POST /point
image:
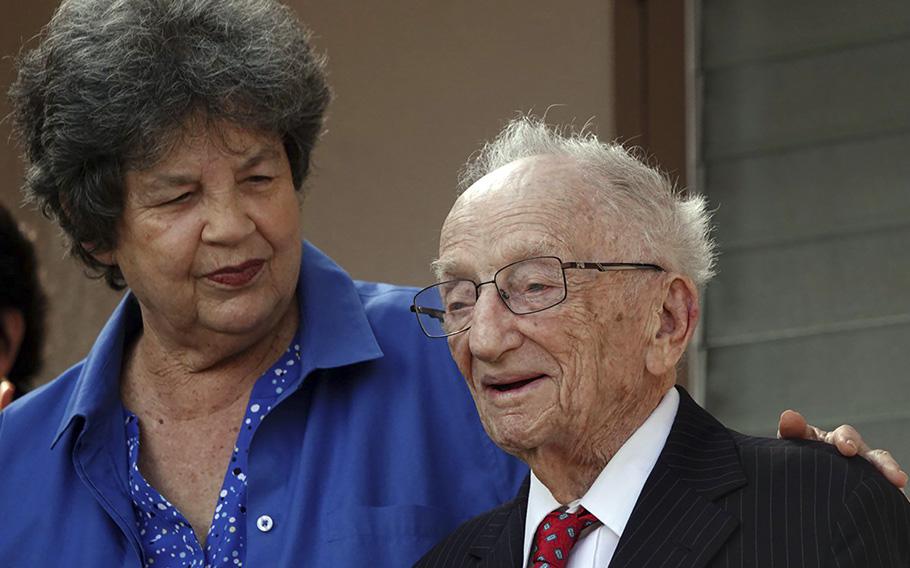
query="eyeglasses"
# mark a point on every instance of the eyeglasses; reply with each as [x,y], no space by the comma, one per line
[525,287]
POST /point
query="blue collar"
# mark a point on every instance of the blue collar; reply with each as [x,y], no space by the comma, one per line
[334,332]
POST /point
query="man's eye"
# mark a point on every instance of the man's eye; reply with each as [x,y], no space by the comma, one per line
[259,179]
[455,306]
[535,287]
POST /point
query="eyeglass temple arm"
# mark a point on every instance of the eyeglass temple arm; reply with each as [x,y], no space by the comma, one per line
[432,312]
[606,266]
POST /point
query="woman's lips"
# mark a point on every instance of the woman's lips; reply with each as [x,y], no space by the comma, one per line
[236,276]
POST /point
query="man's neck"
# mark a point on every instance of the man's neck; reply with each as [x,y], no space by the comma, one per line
[569,469]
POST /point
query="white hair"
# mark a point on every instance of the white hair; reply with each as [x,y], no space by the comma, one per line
[674,225]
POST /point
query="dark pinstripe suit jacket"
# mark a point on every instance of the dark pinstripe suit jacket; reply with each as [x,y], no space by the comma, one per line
[721,499]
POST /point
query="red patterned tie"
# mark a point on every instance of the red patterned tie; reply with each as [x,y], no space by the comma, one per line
[556,535]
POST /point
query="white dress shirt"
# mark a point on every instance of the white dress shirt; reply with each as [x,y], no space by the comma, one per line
[614,493]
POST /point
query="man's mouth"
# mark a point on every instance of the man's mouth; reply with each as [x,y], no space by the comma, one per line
[514,385]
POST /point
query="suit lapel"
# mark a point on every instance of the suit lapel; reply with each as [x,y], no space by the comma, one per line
[675,522]
[500,543]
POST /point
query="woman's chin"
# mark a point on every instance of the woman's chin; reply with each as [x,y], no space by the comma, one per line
[240,318]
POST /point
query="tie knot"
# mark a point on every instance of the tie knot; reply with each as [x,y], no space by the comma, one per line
[556,535]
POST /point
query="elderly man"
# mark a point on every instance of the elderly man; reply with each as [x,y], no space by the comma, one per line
[568,290]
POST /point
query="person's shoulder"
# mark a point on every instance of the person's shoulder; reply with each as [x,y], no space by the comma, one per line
[381,296]
[818,466]
[453,551]
[387,307]
[854,509]
[404,345]
[796,456]
[35,418]
[783,451]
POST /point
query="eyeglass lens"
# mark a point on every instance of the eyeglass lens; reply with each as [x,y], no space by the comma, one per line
[526,286]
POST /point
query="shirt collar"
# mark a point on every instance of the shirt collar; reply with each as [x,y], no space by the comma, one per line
[334,332]
[614,493]
[97,387]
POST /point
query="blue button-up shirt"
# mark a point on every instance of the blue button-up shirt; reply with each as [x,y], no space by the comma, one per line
[367,458]
[166,537]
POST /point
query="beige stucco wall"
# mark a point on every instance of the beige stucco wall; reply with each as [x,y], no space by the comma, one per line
[418,86]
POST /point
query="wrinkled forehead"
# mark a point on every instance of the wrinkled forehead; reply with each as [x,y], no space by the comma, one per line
[532,207]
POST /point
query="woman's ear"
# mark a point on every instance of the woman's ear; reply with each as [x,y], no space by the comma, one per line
[108,258]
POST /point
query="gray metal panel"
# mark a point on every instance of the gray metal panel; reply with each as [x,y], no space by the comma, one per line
[805,133]
[804,289]
[736,31]
[858,377]
[813,193]
[831,97]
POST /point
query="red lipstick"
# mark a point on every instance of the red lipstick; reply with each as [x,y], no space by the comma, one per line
[236,276]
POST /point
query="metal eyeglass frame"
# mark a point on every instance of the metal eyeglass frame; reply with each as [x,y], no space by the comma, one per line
[564,265]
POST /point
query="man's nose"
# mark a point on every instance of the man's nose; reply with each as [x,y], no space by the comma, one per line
[493,331]
[227,220]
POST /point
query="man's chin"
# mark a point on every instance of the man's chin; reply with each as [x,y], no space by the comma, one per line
[517,434]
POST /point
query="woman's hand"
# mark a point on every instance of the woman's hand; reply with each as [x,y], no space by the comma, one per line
[848,442]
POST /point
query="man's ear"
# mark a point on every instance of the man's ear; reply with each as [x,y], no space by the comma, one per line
[678,315]
[13,323]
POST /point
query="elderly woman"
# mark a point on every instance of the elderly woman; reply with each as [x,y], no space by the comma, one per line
[247,403]
[241,406]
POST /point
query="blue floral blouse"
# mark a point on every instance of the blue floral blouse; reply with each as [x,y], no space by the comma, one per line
[167,538]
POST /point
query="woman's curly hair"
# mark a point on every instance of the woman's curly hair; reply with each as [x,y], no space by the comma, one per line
[112,82]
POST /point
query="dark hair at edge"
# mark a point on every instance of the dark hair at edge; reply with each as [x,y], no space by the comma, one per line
[21,290]
[112,84]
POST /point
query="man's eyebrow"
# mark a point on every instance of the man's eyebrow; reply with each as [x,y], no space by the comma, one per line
[520,250]
[442,267]
[445,268]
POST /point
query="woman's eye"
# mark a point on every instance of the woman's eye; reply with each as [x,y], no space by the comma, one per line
[179,199]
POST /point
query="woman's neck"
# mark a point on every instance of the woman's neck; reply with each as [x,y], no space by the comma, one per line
[168,380]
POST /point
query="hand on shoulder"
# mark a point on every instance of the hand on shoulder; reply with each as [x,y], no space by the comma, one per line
[848,442]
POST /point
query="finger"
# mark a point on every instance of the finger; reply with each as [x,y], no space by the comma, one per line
[848,441]
[793,425]
[885,462]
[6,393]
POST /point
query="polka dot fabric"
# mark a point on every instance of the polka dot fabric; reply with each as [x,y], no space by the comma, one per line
[166,536]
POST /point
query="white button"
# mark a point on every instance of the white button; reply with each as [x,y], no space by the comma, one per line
[264,523]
